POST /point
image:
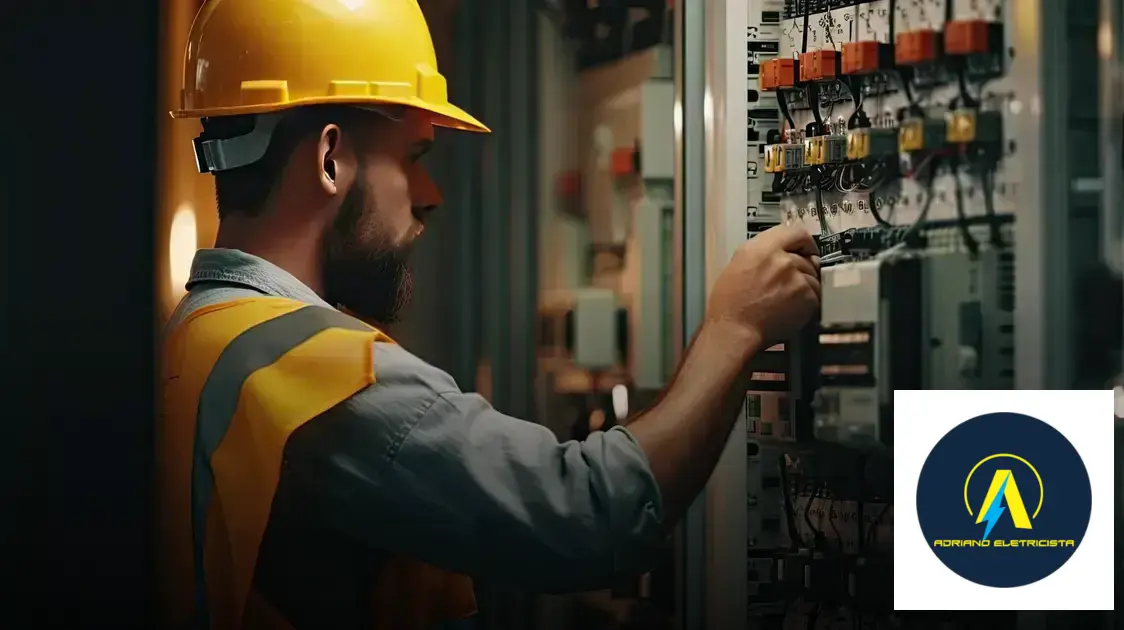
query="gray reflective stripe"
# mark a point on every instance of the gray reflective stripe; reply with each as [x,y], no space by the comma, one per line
[252,350]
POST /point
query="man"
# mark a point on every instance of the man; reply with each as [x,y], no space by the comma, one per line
[313,474]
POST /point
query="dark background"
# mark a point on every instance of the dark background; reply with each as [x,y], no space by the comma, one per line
[77,191]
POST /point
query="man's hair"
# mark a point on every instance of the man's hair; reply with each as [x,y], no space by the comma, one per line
[246,189]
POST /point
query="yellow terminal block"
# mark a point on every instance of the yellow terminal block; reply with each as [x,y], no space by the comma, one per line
[961,126]
[970,126]
[772,158]
[917,134]
[858,144]
[814,151]
[912,135]
[871,142]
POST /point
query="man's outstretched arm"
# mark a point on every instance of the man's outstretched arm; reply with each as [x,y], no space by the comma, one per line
[414,466]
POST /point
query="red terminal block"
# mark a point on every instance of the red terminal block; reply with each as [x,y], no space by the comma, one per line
[765,76]
[820,65]
[867,57]
[779,73]
[624,162]
[917,47]
[972,37]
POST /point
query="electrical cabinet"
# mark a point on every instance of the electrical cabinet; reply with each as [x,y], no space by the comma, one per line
[924,143]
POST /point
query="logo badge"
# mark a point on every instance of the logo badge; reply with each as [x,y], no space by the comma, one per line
[1003,500]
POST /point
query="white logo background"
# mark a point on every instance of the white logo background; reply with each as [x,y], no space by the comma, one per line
[1085,582]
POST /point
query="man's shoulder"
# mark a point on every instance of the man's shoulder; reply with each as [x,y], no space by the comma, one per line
[205,295]
[399,374]
[395,365]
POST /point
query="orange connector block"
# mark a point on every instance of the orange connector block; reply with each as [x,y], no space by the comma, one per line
[916,47]
[866,57]
[778,73]
[765,80]
[971,37]
[819,65]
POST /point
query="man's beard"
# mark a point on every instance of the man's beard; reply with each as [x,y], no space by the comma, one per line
[364,276]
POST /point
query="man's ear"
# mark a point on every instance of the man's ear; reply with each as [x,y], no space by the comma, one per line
[336,161]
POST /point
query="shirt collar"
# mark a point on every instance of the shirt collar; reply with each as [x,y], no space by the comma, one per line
[232,266]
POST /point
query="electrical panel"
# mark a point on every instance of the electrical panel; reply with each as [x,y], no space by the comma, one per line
[884,128]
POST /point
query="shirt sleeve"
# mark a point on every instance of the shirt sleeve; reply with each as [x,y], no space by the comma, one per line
[413,465]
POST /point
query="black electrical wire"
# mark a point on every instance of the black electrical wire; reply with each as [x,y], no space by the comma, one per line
[872,533]
[782,104]
[988,190]
[905,76]
[834,528]
[817,535]
[813,92]
[874,212]
[893,16]
[814,616]
[966,99]
[789,506]
[962,219]
[858,117]
[916,226]
[807,14]
[821,211]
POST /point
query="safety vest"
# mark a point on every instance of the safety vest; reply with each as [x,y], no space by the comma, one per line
[239,377]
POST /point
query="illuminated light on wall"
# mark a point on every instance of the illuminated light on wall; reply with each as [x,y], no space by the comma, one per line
[1104,40]
[183,240]
[677,118]
[620,402]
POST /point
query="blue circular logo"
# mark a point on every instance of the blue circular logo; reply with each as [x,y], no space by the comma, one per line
[1004,500]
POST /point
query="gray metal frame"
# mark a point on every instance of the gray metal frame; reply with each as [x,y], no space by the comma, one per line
[690,259]
[1043,337]
[508,208]
[1112,133]
[497,51]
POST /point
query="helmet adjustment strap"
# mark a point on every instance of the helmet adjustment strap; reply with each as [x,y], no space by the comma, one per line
[223,154]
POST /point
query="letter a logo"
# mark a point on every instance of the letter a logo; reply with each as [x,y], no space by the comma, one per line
[1003,487]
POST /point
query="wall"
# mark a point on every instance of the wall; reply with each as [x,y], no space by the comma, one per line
[179,185]
[584,117]
[429,328]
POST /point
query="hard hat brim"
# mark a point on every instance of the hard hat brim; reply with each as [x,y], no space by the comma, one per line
[442,114]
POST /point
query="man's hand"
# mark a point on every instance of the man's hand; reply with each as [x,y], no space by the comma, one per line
[768,292]
[770,288]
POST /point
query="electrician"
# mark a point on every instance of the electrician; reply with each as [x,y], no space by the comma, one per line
[314,474]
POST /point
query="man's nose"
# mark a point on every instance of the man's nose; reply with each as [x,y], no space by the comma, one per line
[423,192]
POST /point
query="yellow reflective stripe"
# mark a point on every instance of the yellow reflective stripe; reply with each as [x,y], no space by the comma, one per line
[283,373]
[189,353]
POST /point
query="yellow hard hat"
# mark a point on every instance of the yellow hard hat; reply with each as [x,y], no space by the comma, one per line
[264,56]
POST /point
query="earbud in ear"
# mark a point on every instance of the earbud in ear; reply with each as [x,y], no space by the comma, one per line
[330,169]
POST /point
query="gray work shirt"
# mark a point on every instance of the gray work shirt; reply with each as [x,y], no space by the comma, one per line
[413,465]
